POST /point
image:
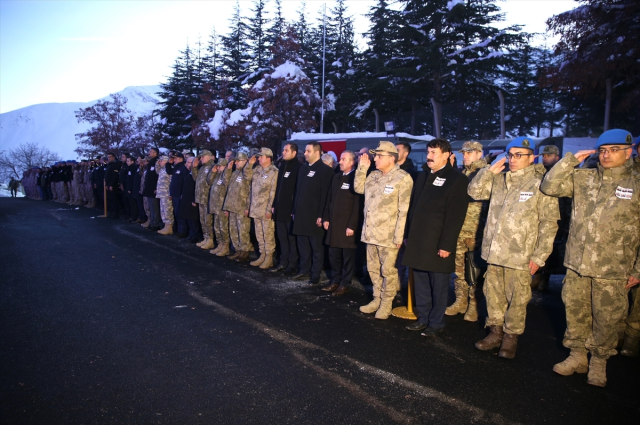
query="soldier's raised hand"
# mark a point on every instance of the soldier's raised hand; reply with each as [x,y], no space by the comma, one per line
[230,165]
[498,166]
[253,160]
[582,155]
[365,160]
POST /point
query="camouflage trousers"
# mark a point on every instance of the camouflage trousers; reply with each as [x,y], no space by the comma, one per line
[145,203]
[64,191]
[466,242]
[381,264]
[507,292]
[239,227]
[265,234]
[221,228]
[166,210]
[633,319]
[206,221]
[54,191]
[594,307]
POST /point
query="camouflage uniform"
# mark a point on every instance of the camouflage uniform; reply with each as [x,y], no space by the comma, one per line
[601,252]
[470,237]
[521,225]
[217,193]
[387,198]
[201,177]
[259,202]
[162,192]
[236,202]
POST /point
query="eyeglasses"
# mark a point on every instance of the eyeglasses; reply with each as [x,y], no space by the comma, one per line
[518,155]
[602,151]
[380,155]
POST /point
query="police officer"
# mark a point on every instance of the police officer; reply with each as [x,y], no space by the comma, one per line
[234,206]
[470,236]
[200,175]
[387,193]
[259,203]
[521,225]
[602,256]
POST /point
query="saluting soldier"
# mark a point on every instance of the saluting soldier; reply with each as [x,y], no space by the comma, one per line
[217,194]
[518,238]
[162,193]
[201,177]
[234,206]
[602,257]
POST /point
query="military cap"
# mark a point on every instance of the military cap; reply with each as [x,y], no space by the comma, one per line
[241,156]
[222,162]
[384,147]
[550,150]
[521,142]
[471,146]
[614,137]
[163,158]
[177,155]
[254,152]
[265,152]
[637,142]
[206,152]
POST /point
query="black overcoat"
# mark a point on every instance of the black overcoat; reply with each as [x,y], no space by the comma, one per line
[178,173]
[150,179]
[311,195]
[438,208]
[187,197]
[286,189]
[343,210]
[129,181]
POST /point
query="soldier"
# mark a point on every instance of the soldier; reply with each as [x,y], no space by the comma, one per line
[201,177]
[259,202]
[13,186]
[341,219]
[216,200]
[234,206]
[470,236]
[602,255]
[162,193]
[314,179]
[521,225]
[387,192]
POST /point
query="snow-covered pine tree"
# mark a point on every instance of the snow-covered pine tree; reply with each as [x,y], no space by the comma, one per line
[278,24]
[212,61]
[257,39]
[235,58]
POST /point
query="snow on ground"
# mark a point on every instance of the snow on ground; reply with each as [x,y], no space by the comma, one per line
[54,125]
[6,193]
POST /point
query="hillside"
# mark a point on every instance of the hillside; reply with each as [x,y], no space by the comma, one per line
[54,125]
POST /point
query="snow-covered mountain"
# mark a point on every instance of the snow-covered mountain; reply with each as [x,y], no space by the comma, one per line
[54,125]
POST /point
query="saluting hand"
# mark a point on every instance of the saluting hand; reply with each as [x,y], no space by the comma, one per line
[365,160]
[498,166]
[252,160]
[582,155]
[230,165]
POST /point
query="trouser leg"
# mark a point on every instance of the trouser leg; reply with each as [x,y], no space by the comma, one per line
[431,291]
[335,258]
[133,208]
[609,305]
[507,292]
[304,248]
[317,255]
[166,211]
[288,247]
[633,319]
[205,221]
[348,265]
[381,263]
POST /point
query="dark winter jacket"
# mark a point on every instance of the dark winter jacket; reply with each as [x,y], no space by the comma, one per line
[130,173]
[410,168]
[286,189]
[137,180]
[187,197]
[150,179]
[112,175]
[343,211]
[438,208]
[178,173]
[311,195]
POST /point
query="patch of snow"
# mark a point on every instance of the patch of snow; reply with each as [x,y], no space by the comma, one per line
[453,3]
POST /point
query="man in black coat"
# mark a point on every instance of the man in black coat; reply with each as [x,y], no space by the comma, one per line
[149,192]
[438,207]
[314,179]
[342,219]
[282,207]
[124,170]
[178,173]
[188,209]
[112,181]
[129,183]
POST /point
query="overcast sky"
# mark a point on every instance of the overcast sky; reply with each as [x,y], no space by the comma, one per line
[77,51]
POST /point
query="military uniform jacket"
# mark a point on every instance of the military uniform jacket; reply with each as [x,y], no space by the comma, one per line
[476,217]
[311,195]
[286,190]
[263,190]
[201,177]
[219,191]
[343,211]
[164,180]
[604,234]
[636,164]
[238,190]
[150,179]
[386,203]
[438,208]
[522,221]
[178,173]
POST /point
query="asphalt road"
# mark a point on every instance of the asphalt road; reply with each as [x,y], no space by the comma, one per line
[103,322]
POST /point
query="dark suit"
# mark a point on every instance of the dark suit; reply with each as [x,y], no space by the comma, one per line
[283,205]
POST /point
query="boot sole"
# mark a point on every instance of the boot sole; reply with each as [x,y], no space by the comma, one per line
[576,370]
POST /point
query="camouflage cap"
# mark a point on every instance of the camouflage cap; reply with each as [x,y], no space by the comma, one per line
[241,156]
[614,137]
[265,152]
[222,162]
[521,142]
[471,146]
[385,146]
[550,150]
[205,152]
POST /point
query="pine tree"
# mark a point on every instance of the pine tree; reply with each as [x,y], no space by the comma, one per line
[235,58]
[212,61]
[257,41]
[278,23]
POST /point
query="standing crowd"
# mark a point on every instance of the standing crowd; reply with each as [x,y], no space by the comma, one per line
[514,222]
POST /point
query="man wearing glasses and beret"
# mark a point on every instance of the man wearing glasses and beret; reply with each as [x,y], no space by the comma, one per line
[518,237]
[387,192]
[602,256]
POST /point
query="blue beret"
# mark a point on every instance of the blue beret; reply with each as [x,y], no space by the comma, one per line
[521,142]
[637,142]
[614,137]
